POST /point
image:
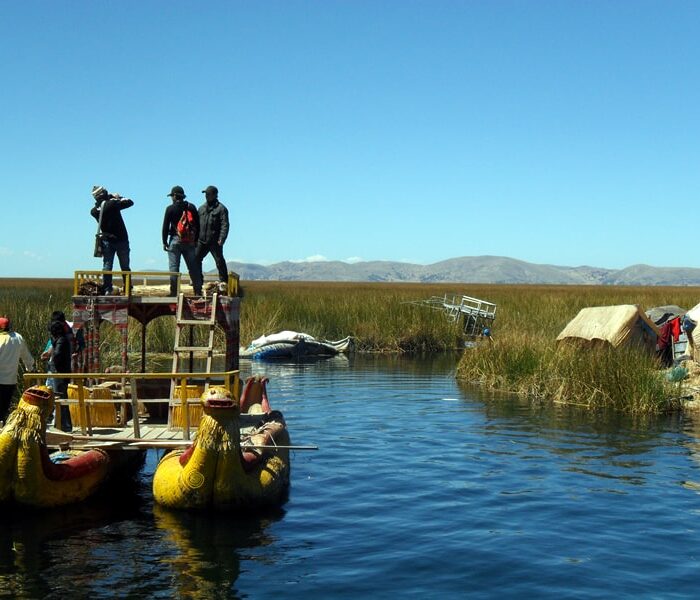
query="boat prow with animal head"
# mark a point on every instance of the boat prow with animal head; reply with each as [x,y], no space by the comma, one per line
[30,476]
[219,470]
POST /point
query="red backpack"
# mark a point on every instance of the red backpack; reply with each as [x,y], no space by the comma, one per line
[185,226]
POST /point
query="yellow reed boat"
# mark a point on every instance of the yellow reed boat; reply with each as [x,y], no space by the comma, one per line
[30,476]
[219,470]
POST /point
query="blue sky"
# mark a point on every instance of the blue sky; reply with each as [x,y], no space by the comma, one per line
[559,132]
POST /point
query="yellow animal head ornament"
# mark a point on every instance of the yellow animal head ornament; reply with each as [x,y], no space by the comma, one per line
[217,396]
[40,396]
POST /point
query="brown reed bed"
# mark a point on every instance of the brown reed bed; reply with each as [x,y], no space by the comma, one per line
[523,359]
[379,316]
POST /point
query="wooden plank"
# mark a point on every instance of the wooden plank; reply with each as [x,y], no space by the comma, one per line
[200,349]
[168,434]
[79,441]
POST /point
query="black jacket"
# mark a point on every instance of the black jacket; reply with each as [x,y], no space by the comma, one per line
[113,227]
[213,223]
[172,216]
[61,355]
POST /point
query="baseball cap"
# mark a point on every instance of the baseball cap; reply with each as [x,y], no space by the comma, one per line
[177,190]
[212,189]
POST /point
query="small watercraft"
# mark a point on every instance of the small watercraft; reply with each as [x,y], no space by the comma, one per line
[221,469]
[292,344]
[30,476]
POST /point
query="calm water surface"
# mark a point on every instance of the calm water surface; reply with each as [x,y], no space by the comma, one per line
[422,488]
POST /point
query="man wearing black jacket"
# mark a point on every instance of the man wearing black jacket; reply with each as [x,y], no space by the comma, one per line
[60,363]
[176,244]
[114,237]
[213,231]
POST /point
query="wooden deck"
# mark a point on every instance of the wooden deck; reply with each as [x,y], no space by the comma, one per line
[151,436]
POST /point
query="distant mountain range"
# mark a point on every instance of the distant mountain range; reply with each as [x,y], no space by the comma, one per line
[468,269]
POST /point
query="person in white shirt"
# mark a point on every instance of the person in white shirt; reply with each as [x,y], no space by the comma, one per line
[13,348]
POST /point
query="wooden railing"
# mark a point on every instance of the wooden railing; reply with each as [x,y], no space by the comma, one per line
[132,278]
[230,381]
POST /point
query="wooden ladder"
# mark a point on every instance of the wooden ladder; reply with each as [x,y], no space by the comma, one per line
[180,349]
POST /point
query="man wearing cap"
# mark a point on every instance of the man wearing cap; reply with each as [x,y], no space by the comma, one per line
[12,349]
[114,237]
[213,230]
[176,246]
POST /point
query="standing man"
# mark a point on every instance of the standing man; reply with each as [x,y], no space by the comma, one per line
[213,230]
[180,234]
[12,349]
[61,363]
[115,239]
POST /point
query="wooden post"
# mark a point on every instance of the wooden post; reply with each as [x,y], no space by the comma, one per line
[57,413]
[85,425]
[143,347]
[134,408]
[184,403]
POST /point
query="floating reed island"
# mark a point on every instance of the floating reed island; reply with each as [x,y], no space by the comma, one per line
[536,355]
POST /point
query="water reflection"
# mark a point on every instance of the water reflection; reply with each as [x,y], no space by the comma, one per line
[209,549]
[442,363]
[690,423]
[601,445]
[28,566]
[286,368]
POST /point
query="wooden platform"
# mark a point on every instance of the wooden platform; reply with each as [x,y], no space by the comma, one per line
[152,436]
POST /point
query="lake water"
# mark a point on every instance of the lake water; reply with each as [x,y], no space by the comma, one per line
[422,488]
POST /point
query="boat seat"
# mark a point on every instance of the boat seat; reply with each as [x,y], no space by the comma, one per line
[176,415]
[103,414]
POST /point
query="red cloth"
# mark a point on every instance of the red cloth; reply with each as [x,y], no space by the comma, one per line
[676,328]
[664,345]
[664,339]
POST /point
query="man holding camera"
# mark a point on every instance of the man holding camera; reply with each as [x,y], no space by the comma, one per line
[114,238]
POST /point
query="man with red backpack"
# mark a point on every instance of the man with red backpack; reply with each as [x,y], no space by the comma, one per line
[180,235]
